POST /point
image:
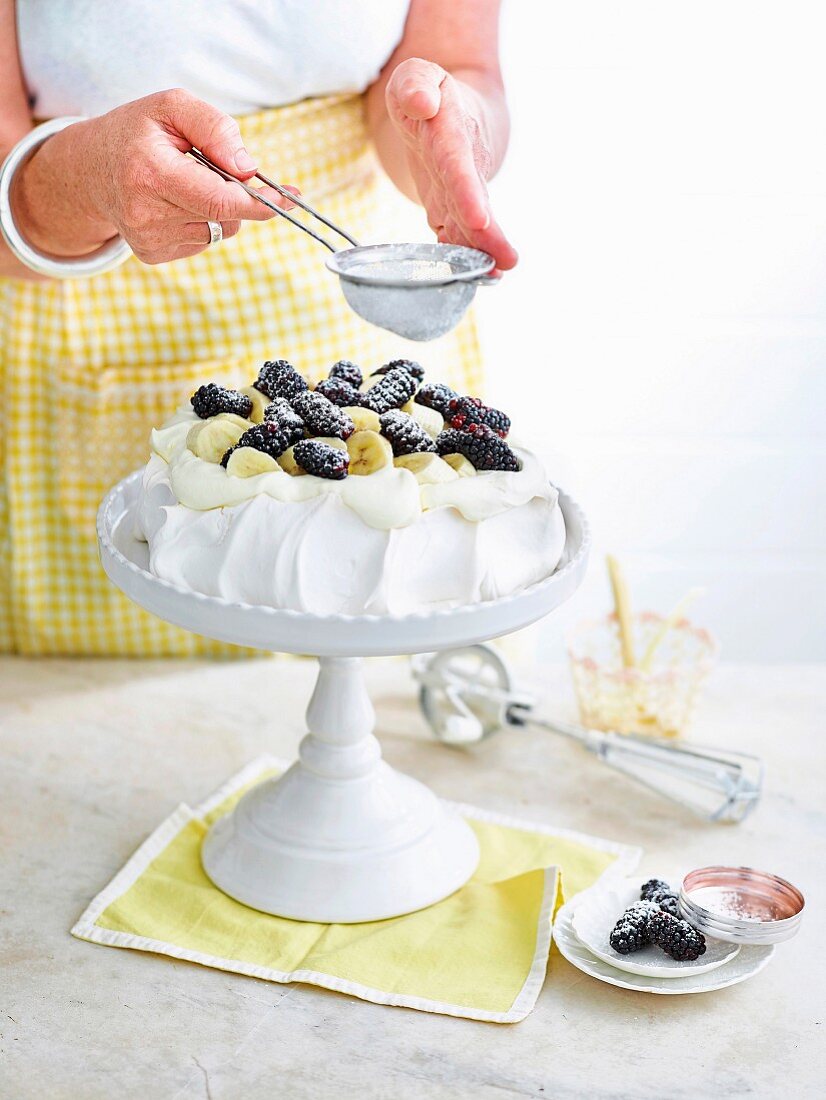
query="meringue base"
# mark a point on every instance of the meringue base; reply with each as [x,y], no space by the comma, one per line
[319,556]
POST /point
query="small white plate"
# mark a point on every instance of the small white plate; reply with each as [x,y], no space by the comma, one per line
[601,908]
[748,962]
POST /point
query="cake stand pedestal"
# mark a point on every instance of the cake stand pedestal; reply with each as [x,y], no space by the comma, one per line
[341,836]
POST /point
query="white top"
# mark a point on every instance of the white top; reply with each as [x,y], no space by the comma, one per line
[83,57]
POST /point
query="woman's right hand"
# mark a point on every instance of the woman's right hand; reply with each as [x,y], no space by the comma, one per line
[127,172]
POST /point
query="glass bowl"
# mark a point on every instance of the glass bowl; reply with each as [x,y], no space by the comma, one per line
[655,700]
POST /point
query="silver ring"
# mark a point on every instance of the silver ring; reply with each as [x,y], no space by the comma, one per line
[216,232]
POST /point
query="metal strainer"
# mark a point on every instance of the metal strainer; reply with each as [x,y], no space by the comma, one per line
[417,291]
[466,695]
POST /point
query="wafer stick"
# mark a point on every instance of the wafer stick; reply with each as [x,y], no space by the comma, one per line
[668,622]
[622,606]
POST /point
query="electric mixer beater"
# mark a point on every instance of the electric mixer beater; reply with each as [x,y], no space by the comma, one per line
[466,695]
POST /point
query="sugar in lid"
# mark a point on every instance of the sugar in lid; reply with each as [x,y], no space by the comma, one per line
[741,904]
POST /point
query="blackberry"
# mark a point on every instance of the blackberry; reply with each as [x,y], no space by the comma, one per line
[281,412]
[321,459]
[348,371]
[676,937]
[436,396]
[211,400]
[405,435]
[670,903]
[654,886]
[340,391]
[278,378]
[410,365]
[481,446]
[391,391]
[631,933]
[322,417]
[268,437]
[464,411]
[661,894]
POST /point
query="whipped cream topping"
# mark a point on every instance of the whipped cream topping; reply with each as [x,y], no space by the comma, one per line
[387,499]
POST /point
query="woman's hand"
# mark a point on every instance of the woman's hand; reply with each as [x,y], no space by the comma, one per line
[448,154]
[126,172]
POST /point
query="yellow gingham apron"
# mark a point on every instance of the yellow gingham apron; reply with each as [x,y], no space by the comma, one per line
[87,367]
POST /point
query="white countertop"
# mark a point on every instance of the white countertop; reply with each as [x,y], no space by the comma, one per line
[94,754]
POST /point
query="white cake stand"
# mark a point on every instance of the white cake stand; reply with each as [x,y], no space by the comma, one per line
[341,836]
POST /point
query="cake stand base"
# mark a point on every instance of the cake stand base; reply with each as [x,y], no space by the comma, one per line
[341,837]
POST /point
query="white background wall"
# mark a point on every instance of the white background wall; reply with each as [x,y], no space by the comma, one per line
[664,337]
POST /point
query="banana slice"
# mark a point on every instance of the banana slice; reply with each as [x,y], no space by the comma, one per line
[247,462]
[463,466]
[365,420]
[429,419]
[288,463]
[409,406]
[428,468]
[368,452]
[211,439]
[259,403]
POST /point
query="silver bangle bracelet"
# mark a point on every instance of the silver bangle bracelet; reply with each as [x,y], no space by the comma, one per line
[111,254]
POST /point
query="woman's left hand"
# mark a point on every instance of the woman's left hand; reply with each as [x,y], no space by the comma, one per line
[448,155]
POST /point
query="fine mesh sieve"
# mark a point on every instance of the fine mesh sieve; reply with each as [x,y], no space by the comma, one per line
[417,291]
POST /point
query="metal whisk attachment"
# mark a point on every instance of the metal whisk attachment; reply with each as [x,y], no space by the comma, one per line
[466,695]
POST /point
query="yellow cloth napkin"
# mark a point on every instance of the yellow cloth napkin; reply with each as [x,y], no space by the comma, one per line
[481,953]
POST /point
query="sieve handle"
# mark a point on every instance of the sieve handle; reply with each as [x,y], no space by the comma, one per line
[207,163]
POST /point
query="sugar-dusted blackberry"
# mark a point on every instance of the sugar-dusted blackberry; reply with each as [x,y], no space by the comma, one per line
[464,411]
[268,437]
[278,378]
[670,903]
[676,937]
[435,395]
[340,391]
[654,886]
[661,894]
[321,459]
[410,365]
[281,412]
[405,435]
[630,933]
[481,446]
[391,391]
[210,400]
[347,370]
[322,417]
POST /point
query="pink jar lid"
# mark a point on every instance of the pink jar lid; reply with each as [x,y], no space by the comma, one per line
[741,904]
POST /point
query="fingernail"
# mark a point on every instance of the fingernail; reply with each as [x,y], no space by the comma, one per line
[243,161]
